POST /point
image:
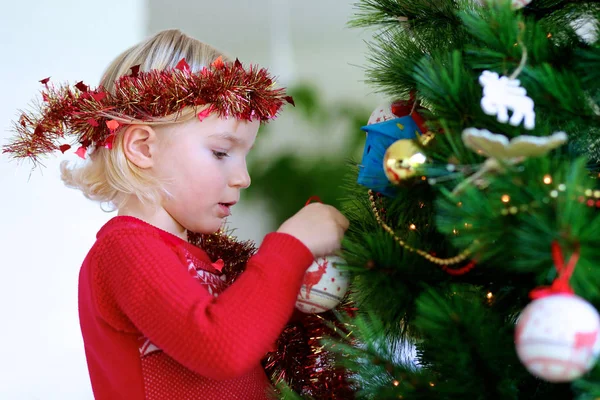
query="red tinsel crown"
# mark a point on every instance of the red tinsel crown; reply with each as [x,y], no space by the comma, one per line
[89,115]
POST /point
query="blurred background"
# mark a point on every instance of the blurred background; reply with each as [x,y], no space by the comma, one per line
[46,229]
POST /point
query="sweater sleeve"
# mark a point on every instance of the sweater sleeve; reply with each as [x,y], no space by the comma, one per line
[217,337]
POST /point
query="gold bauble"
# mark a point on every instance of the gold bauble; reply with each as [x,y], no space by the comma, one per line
[401,160]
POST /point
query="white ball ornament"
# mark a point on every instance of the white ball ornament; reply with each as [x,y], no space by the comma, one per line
[382,113]
[324,286]
[557,337]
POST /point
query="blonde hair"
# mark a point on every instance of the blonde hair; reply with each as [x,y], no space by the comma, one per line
[108,176]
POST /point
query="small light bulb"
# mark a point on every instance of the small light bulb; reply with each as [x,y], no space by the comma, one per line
[395,383]
[547,179]
[490,295]
[505,198]
[413,227]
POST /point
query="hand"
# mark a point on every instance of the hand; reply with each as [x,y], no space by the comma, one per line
[319,226]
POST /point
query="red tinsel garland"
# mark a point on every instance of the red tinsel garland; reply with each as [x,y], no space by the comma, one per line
[91,116]
[223,246]
[299,359]
[304,364]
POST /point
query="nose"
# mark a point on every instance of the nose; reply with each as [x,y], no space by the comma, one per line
[241,177]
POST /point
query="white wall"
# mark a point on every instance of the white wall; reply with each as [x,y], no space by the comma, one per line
[46,229]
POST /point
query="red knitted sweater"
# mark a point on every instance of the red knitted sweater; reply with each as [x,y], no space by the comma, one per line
[158,324]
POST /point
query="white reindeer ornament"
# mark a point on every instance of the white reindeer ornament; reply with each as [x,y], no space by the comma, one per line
[501,94]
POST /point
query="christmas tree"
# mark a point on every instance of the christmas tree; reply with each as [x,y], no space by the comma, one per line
[475,232]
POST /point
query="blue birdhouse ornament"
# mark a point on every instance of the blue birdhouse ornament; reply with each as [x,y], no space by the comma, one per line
[383,130]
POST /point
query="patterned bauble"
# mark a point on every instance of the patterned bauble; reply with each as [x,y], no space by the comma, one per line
[324,286]
[558,337]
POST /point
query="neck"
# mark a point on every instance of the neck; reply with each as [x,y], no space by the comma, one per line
[154,215]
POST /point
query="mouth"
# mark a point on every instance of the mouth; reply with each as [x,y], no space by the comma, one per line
[226,207]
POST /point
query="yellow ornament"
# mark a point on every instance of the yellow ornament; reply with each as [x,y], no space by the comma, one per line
[401,160]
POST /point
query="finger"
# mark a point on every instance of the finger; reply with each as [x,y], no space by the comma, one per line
[342,220]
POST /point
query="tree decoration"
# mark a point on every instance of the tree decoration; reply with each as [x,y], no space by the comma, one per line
[91,116]
[558,335]
[501,94]
[382,131]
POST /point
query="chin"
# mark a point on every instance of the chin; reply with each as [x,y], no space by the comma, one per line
[205,228]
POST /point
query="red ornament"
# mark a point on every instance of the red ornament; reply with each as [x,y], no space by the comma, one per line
[218,63]
[202,115]
[93,122]
[290,100]
[64,147]
[82,87]
[81,152]
[182,65]
[112,125]
[135,70]
[99,96]
[108,143]
[218,265]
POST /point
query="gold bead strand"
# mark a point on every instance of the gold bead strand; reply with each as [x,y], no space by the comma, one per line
[464,255]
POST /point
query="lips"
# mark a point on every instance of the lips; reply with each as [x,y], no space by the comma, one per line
[226,207]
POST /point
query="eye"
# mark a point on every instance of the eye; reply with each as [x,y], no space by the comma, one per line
[220,155]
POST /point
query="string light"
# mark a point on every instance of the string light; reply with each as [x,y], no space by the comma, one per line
[412,227]
[505,198]
[395,383]
[464,255]
[490,295]
[547,179]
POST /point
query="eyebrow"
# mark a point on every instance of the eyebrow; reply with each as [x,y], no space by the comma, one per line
[227,136]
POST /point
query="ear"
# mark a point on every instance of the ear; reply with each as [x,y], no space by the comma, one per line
[140,145]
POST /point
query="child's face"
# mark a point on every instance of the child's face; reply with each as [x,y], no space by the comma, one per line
[204,167]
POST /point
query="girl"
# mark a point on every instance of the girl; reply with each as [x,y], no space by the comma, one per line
[168,131]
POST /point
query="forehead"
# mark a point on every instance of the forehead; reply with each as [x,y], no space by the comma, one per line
[215,127]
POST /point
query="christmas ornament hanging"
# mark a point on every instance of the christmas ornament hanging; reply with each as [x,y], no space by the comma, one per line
[324,286]
[557,336]
[402,160]
[502,94]
[387,124]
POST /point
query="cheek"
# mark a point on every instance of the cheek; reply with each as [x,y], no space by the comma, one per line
[206,174]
